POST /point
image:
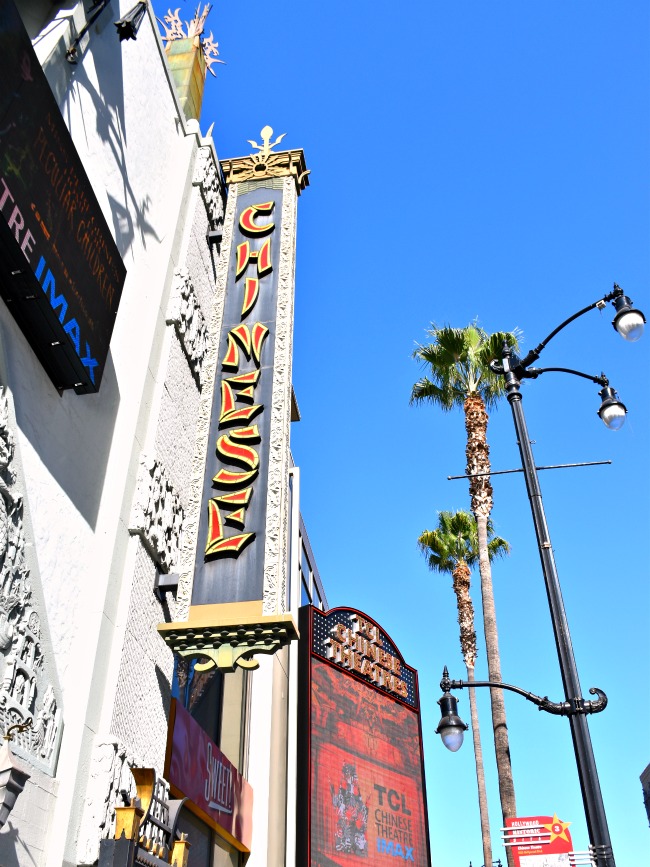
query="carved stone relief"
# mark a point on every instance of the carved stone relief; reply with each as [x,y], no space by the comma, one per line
[277,508]
[186,317]
[110,784]
[158,515]
[206,176]
[24,689]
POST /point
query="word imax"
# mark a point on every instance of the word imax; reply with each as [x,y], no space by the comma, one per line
[387,847]
[241,366]
[26,240]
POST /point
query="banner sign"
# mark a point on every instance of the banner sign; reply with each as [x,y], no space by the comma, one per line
[230,547]
[61,274]
[362,769]
[196,769]
[539,841]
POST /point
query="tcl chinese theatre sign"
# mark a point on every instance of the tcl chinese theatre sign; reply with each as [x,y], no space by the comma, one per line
[361,785]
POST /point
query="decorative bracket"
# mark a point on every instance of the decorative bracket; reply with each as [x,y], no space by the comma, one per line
[572,707]
[228,635]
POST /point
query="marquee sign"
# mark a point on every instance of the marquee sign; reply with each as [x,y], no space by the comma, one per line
[539,841]
[196,769]
[362,771]
[357,645]
[61,274]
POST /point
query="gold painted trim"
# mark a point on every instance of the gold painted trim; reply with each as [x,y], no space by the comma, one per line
[268,165]
[228,635]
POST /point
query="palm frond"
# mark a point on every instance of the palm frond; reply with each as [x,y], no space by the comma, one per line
[455,539]
[457,362]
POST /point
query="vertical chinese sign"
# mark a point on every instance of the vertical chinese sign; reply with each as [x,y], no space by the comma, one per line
[362,795]
[239,588]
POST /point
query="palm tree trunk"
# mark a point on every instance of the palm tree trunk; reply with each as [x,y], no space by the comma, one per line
[478,461]
[461,582]
[480,772]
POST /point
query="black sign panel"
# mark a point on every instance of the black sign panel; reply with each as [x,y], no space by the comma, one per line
[230,547]
[61,274]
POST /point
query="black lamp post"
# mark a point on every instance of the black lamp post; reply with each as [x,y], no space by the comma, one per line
[629,323]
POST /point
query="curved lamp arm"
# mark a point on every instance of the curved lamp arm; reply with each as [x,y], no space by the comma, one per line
[534,372]
[534,354]
[560,708]
[628,330]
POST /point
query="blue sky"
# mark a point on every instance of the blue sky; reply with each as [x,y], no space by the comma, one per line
[487,160]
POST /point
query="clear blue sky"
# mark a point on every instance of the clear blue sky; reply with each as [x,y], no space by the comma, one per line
[469,159]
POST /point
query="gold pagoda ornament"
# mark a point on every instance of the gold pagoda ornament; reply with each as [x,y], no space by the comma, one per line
[266,163]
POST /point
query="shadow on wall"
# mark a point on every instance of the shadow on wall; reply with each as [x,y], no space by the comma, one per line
[9,842]
[71,434]
[67,81]
[129,213]
[165,690]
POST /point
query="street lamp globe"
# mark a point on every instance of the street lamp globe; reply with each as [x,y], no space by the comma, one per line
[451,728]
[611,411]
[628,322]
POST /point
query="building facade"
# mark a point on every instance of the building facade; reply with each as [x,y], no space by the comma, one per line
[105,407]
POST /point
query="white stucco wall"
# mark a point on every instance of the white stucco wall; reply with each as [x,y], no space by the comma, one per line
[81,455]
[90,466]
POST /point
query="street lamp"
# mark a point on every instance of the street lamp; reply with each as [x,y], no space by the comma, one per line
[629,323]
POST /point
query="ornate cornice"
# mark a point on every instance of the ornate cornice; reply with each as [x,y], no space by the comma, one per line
[228,635]
[267,164]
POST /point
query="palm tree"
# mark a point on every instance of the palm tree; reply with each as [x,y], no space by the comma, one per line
[452,548]
[459,375]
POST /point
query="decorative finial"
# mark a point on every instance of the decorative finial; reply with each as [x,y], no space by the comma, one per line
[173,27]
[267,146]
[264,162]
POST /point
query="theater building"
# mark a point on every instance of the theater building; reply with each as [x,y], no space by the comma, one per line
[152,555]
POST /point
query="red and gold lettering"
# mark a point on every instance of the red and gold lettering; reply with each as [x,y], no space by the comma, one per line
[232,453]
[227,400]
[215,525]
[229,413]
[246,413]
[259,334]
[246,394]
[261,257]
[235,498]
[232,545]
[250,340]
[217,544]
[246,434]
[230,479]
[251,291]
[250,378]
[248,215]
[236,519]
[231,358]
[235,447]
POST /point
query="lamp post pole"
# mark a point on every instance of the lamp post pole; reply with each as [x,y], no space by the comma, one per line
[629,323]
[587,773]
